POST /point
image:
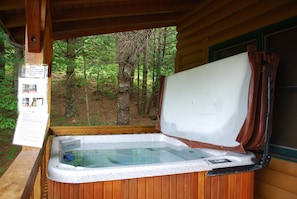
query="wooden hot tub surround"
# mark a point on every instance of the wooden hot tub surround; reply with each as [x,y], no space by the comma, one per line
[195,185]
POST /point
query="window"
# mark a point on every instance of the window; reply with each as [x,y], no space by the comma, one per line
[284,134]
[280,38]
[233,49]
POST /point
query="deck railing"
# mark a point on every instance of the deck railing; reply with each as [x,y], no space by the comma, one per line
[26,176]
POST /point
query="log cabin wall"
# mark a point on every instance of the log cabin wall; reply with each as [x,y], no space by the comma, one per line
[279,180]
[214,22]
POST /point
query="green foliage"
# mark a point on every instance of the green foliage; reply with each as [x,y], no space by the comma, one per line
[59,63]
[9,55]
[8,104]
[167,38]
[12,151]
[99,52]
[80,81]
[98,55]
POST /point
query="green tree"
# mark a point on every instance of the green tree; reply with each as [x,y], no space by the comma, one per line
[64,61]
[99,60]
[129,47]
[70,78]
[8,104]
[158,60]
[143,96]
[164,42]
[8,99]
[99,52]
[2,52]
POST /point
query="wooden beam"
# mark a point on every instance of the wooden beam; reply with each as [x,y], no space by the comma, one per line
[33,19]
[109,2]
[103,26]
[118,11]
[12,5]
[117,21]
[77,2]
[60,35]
[15,20]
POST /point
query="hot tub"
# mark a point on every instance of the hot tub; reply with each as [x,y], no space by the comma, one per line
[206,118]
[82,159]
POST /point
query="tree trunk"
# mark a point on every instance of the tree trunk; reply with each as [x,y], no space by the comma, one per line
[144,81]
[138,88]
[97,82]
[129,47]
[160,53]
[86,91]
[70,79]
[123,104]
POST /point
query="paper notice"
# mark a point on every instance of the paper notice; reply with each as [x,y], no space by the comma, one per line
[30,129]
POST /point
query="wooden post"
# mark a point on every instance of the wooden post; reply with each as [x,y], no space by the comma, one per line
[44,56]
[39,51]
[25,178]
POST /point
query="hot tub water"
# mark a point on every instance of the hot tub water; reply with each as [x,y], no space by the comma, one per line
[144,153]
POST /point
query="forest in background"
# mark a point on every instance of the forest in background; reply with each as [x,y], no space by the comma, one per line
[97,80]
[118,66]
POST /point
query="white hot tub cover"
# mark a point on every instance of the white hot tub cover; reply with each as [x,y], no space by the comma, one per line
[213,105]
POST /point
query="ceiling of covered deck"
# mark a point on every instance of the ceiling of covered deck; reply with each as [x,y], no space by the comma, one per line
[76,18]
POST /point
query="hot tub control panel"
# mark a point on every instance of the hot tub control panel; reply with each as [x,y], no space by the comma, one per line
[219,161]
